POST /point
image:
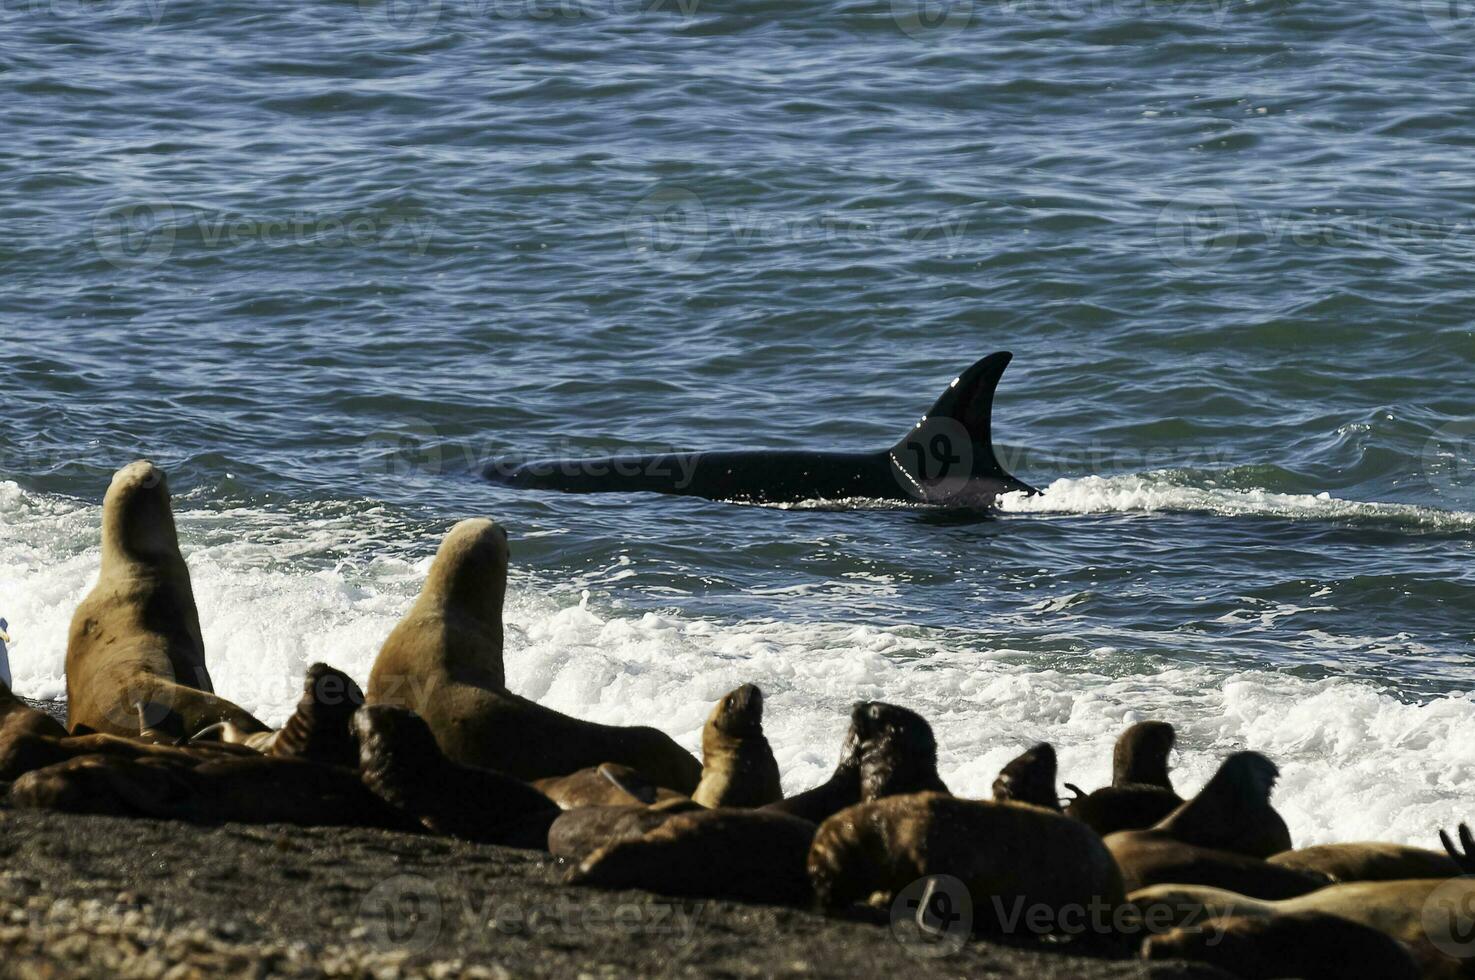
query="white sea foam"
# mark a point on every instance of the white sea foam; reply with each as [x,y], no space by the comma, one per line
[1153,492]
[1356,763]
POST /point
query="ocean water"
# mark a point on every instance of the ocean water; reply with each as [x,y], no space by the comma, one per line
[322,261]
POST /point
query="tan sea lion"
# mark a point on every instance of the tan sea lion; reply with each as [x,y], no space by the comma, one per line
[1010,857]
[135,638]
[1030,778]
[742,854]
[1141,793]
[1432,917]
[1219,838]
[401,763]
[243,789]
[1308,945]
[607,784]
[444,662]
[738,768]
[579,832]
[1369,861]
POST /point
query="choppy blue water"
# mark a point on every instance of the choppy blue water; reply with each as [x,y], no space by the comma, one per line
[323,260]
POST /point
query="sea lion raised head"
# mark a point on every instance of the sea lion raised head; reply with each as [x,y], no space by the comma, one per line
[738,768]
[1233,812]
[898,753]
[1030,778]
[1308,945]
[135,638]
[444,662]
[1141,755]
[401,763]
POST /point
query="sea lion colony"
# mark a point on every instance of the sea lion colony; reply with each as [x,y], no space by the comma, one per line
[438,745]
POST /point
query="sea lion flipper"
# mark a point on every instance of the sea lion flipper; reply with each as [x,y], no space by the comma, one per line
[1464,855]
[629,781]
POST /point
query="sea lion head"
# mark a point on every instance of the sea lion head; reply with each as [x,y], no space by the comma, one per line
[898,753]
[739,713]
[1233,812]
[469,573]
[1141,755]
[1030,778]
[137,522]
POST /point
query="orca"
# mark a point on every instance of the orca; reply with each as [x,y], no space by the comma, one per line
[946,459]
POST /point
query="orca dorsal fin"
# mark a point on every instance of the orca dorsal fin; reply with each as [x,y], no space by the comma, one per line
[955,438]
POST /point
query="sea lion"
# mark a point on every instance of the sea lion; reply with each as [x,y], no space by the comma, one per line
[1010,856]
[738,768]
[244,789]
[401,763]
[1430,916]
[1218,838]
[18,718]
[579,832]
[898,753]
[1308,945]
[1030,778]
[1141,793]
[608,784]
[444,662]
[1369,861]
[318,728]
[743,854]
[27,753]
[135,638]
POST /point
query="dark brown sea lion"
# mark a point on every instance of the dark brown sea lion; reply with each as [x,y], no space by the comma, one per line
[1219,838]
[1141,793]
[579,832]
[898,753]
[1434,918]
[255,789]
[135,639]
[742,854]
[1369,861]
[317,730]
[27,753]
[738,768]
[401,763]
[1010,856]
[1308,945]
[1030,778]
[18,718]
[444,662]
[608,784]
